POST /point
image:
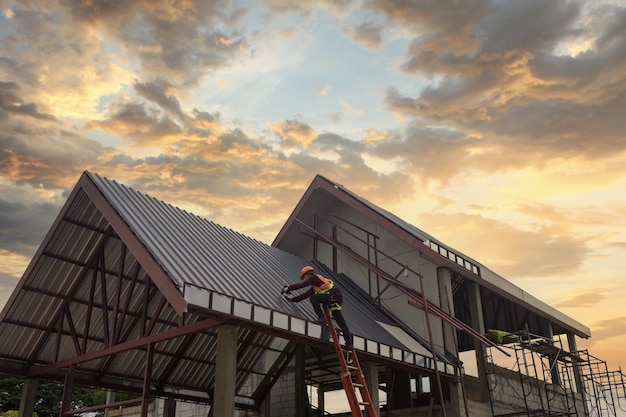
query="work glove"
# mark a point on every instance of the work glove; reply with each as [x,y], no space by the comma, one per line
[286,293]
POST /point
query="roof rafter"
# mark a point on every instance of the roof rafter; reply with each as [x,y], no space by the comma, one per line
[121,347]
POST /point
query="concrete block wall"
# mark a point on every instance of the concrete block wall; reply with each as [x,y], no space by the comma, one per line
[185,409]
[283,396]
[477,409]
[281,402]
[508,396]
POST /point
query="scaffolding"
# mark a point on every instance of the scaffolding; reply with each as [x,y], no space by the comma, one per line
[544,380]
[604,390]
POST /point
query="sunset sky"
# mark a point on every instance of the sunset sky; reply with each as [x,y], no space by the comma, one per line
[498,127]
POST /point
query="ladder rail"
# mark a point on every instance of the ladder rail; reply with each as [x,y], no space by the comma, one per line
[349,385]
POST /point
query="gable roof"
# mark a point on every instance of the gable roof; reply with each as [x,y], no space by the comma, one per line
[322,191]
[119,269]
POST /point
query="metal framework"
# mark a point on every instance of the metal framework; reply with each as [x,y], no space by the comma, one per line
[380,281]
[123,314]
[113,318]
[604,390]
[546,380]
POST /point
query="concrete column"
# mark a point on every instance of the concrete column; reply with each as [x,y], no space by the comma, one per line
[571,344]
[447,305]
[302,401]
[321,405]
[399,389]
[457,398]
[554,364]
[370,372]
[225,371]
[266,406]
[110,399]
[29,396]
[169,407]
[457,401]
[478,324]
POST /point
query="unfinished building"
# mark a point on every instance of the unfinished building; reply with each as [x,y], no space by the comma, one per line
[130,294]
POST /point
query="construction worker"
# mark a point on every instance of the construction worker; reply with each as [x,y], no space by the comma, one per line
[322,292]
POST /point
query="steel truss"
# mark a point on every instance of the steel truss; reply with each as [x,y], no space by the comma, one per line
[113,309]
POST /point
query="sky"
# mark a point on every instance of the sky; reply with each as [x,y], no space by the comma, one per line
[497,126]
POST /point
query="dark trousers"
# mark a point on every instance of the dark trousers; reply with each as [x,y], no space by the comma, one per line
[319,300]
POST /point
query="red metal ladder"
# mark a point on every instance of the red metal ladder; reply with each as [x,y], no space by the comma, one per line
[351,375]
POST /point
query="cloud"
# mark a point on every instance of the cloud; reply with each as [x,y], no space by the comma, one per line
[432,153]
[65,70]
[44,154]
[588,299]
[512,83]
[368,33]
[294,132]
[139,123]
[23,229]
[323,90]
[306,6]
[11,103]
[610,328]
[163,94]
[346,111]
[182,41]
[439,32]
[548,251]
[7,284]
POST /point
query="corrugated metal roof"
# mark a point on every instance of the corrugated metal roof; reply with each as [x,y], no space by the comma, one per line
[100,254]
[195,251]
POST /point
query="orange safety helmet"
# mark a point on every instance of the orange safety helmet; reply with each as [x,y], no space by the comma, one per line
[305,270]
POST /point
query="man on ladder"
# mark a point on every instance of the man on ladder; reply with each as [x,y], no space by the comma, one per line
[326,299]
[322,292]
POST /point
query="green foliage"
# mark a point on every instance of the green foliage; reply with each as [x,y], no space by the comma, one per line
[48,399]
[10,393]
[13,413]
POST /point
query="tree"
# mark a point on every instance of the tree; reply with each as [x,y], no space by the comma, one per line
[13,413]
[10,393]
[48,398]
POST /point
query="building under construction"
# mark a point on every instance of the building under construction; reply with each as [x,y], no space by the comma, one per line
[130,294]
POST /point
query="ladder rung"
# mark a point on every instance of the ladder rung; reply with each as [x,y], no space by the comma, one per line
[346,373]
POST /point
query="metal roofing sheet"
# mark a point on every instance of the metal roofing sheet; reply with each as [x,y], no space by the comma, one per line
[195,251]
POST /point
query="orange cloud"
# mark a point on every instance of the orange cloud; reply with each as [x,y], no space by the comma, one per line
[294,131]
[583,300]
